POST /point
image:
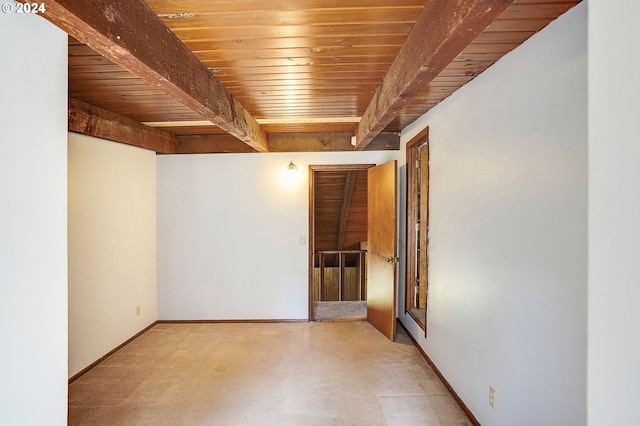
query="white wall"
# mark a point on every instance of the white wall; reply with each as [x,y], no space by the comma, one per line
[112,246]
[229,231]
[507,303]
[33,222]
[614,210]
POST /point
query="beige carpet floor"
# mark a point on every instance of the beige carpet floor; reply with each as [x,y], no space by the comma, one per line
[316,373]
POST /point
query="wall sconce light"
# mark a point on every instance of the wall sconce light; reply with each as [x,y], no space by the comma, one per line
[291,173]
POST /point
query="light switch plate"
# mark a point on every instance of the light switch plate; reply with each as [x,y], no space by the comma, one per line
[492,397]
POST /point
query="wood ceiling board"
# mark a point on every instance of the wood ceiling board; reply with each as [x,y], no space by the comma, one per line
[345,108]
[536,10]
[141,93]
[351,63]
[110,84]
[143,111]
[308,106]
[294,65]
[275,32]
[328,18]
[490,48]
[346,129]
[179,6]
[190,130]
[120,75]
[300,55]
[77,50]
[516,37]
[280,82]
[327,70]
[521,25]
[285,94]
[307,30]
[107,67]
[86,60]
[120,91]
[310,44]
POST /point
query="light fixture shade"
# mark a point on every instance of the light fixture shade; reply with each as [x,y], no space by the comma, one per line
[292,167]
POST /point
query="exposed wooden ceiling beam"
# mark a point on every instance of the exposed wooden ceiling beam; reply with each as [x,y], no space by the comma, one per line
[90,120]
[284,142]
[442,31]
[347,193]
[320,142]
[131,35]
[210,144]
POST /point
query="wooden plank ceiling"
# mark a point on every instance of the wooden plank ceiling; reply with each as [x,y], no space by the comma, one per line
[195,76]
[304,75]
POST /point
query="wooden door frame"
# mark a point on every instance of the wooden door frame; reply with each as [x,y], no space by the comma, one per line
[412,215]
[312,232]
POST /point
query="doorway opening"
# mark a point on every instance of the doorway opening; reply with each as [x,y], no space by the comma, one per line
[338,242]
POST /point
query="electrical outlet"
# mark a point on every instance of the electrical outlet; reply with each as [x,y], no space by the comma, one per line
[138,310]
[492,397]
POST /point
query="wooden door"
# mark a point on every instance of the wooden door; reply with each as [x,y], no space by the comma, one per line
[381,252]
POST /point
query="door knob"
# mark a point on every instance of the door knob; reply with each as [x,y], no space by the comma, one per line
[393,260]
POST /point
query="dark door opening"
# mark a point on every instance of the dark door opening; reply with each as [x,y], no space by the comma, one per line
[337,236]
